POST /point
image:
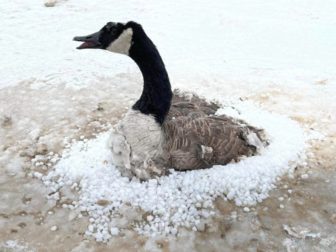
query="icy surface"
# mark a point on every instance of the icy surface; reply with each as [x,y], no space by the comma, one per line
[279,54]
[239,41]
[182,198]
[17,246]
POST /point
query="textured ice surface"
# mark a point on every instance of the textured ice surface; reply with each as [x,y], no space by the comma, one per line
[280,54]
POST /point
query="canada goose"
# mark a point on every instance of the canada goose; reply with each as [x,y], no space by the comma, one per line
[165,130]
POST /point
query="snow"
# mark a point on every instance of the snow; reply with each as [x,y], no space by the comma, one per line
[14,245]
[296,42]
[114,231]
[53,228]
[181,199]
[246,209]
[273,50]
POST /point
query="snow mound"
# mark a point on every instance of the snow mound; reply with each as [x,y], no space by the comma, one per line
[182,199]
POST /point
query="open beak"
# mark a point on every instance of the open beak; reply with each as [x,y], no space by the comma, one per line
[90,41]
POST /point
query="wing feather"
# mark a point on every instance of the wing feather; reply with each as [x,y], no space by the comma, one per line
[195,138]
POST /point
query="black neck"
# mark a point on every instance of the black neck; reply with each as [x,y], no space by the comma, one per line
[156,95]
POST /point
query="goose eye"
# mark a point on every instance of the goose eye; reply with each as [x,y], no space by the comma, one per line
[111,30]
[110,27]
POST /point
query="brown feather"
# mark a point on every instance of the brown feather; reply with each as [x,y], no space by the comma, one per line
[195,138]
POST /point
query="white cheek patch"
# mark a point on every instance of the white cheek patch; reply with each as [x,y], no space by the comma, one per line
[123,43]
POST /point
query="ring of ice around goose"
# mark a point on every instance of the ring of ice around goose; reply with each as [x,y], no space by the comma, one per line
[181,199]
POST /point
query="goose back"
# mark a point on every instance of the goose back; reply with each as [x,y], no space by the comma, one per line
[196,138]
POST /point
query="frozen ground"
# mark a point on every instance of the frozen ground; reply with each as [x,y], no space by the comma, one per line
[279,56]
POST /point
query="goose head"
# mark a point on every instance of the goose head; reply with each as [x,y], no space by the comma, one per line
[130,39]
[114,37]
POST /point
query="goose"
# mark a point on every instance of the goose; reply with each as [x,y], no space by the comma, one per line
[166,130]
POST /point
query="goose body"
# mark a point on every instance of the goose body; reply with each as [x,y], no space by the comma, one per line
[165,130]
[197,138]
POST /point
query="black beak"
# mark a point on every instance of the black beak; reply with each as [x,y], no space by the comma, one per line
[90,41]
